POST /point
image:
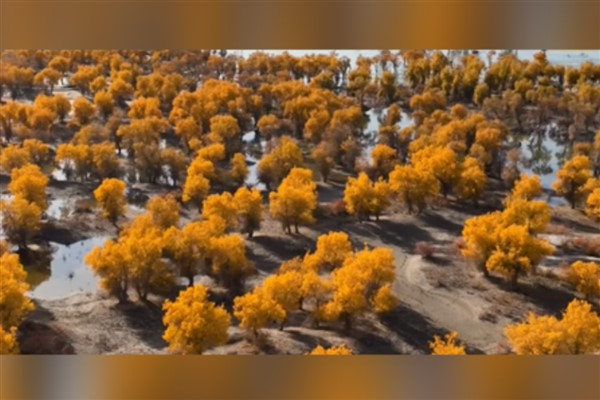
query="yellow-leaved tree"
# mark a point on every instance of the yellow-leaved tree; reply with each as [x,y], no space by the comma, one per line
[133,261]
[413,186]
[29,183]
[442,162]
[572,179]
[193,323]
[577,332]
[189,247]
[517,252]
[197,182]
[364,198]
[222,206]
[472,180]
[239,169]
[14,305]
[285,288]
[585,278]
[295,200]
[249,209]
[256,309]
[164,211]
[20,220]
[8,341]
[593,205]
[341,350]
[446,346]
[229,264]
[111,196]
[277,164]
[527,187]
[362,283]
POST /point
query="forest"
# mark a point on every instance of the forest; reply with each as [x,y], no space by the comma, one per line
[226,202]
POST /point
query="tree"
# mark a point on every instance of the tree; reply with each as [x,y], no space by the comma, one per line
[197,183]
[213,152]
[577,332]
[413,186]
[364,198]
[29,183]
[447,346]
[295,200]
[225,129]
[285,288]
[164,211]
[593,205]
[189,247]
[104,103]
[193,323]
[340,350]
[133,261]
[585,278]
[479,234]
[79,158]
[249,209]
[442,163]
[239,169]
[83,110]
[256,309]
[517,252]
[332,249]
[572,179]
[111,196]
[472,180]
[20,220]
[384,158]
[277,164]
[221,205]
[175,162]
[13,157]
[14,305]
[533,215]
[38,151]
[229,264]
[324,156]
[527,187]
[8,341]
[362,282]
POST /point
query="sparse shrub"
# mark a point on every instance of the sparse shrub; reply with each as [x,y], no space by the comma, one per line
[425,250]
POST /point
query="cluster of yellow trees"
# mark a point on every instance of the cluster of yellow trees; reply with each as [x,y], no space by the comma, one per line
[332,283]
[506,241]
[14,305]
[21,216]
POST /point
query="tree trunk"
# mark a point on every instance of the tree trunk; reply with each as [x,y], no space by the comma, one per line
[514,279]
[190,280]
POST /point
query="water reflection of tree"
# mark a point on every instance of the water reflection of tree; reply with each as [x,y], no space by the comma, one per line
[37,265]
[540,156]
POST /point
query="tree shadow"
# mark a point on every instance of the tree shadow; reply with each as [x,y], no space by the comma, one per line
[145,319]
[309,340]
[416,329]
[438,221]
[552,300]
[38,334]
[574,225]
[285,248]
[262,262]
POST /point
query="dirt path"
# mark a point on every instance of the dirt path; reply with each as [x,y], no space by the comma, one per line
[455,310]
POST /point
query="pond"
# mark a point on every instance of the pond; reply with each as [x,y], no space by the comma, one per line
[66,273]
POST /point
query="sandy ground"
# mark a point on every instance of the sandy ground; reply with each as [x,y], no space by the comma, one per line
[437,296]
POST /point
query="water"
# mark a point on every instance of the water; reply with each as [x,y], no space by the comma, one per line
[67,274]
[60,208]
[373,125]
